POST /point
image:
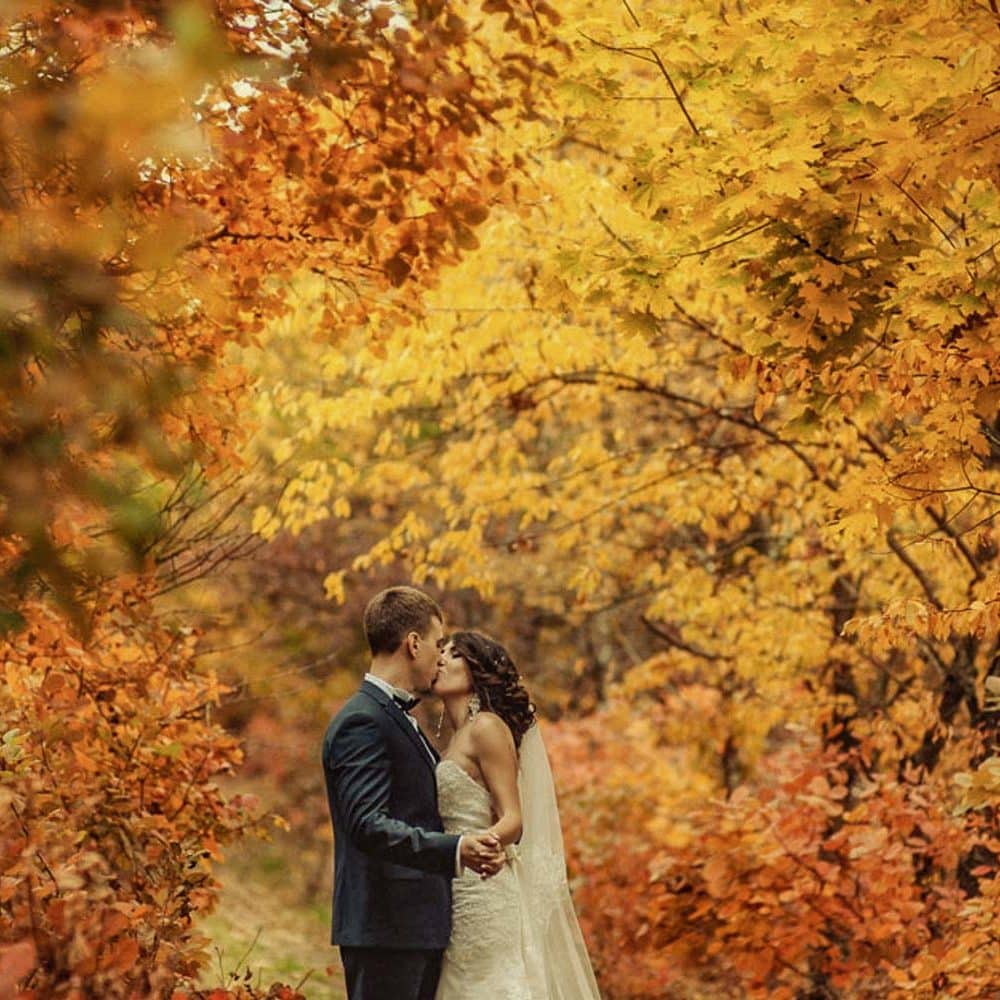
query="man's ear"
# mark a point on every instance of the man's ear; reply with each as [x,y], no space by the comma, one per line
[412,643]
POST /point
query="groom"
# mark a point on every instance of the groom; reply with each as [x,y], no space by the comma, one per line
[392,862]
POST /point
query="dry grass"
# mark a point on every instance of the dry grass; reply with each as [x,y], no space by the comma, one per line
[265,928]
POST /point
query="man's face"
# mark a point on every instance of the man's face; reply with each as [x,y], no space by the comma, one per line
[426,649]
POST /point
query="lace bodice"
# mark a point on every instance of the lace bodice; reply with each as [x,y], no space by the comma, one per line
[514,936]
[484,960]
[464,804]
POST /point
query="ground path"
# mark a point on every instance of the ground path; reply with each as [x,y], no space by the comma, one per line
[263,925]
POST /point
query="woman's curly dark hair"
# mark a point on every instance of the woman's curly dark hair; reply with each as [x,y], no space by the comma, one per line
[496,681]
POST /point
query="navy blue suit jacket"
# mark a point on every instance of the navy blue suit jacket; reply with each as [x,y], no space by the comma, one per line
[393,865]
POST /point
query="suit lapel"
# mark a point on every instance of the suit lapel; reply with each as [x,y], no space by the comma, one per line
[402,720]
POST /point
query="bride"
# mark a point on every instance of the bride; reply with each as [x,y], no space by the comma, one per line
[514,936]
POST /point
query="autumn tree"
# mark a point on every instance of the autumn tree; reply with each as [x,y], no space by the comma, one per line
[729,388]
[163,169]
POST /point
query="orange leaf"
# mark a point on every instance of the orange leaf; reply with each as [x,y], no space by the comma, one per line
[16,961]
[125,954]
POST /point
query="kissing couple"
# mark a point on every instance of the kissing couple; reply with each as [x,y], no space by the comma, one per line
[449,872]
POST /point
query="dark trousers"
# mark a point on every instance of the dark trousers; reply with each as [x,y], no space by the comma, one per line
[391,973]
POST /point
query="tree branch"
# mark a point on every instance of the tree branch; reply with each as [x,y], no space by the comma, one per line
[672,637]
[907,560]
[651,56]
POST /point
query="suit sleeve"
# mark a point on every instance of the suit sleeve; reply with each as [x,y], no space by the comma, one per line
[360,767]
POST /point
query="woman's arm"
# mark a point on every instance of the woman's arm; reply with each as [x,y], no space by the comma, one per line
[496,755]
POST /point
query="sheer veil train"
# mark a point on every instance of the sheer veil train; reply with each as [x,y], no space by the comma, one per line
[554,951]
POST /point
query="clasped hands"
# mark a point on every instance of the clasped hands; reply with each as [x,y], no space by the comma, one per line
[483,853]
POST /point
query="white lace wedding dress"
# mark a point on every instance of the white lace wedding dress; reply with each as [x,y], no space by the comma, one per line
[484,959]
[514,936]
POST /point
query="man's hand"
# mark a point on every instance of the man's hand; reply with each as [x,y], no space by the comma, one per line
[483,853]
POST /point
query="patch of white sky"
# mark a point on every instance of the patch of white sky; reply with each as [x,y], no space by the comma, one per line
[266,30]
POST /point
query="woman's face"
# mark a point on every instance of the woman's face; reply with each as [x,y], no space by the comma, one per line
[453,676]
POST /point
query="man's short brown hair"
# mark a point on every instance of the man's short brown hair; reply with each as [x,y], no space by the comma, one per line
[393,613]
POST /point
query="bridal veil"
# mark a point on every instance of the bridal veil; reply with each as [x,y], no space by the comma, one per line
[554,951]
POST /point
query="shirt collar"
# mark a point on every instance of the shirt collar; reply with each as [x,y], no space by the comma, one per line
[392,692]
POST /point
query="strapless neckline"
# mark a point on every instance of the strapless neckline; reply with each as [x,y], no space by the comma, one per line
[458,767]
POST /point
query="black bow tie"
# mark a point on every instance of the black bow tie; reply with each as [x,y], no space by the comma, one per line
[406,701]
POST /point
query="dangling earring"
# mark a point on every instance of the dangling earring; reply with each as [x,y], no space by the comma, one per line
[474,706]
[440,725]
